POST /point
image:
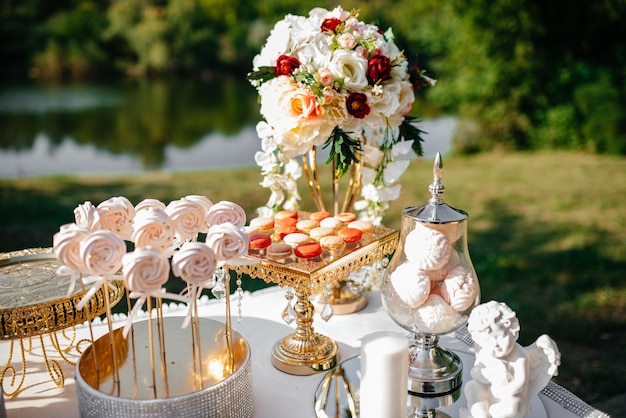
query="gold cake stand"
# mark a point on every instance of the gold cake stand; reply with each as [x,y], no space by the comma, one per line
[34,303]
[305,351]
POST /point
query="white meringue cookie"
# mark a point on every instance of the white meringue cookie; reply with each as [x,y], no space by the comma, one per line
[428,248]
[435,316]
[411,284]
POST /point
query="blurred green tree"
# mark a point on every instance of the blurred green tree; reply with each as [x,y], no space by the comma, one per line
[526,74]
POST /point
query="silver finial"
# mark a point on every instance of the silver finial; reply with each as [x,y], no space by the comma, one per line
[437,188]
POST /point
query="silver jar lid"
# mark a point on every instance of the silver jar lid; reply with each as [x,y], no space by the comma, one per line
[435,211]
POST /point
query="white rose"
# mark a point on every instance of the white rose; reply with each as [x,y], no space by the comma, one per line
[304,136]
[86,215]
[66,245]
[195,263]
[226,212]
[351,67]
[101,253]
[116,214]
[145,270]
[387,103]
[187,216]
[153,228]
[405,98]
[227,241]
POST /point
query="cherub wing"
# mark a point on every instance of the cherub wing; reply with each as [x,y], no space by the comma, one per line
[544,359]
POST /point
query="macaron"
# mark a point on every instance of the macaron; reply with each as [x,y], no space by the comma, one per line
[279,252]
[262,224]
[331,222]
[333,244]
[296,239]
[278,223]
[308,250]
[319,232]
[282,231]
[306,225]
[350,235]
[259,242]
[319,215]
[286,213]
[346,217]
[367,227]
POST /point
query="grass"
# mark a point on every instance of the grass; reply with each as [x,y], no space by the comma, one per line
[547,235]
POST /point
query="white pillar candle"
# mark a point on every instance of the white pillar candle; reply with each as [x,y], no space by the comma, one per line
[384,375]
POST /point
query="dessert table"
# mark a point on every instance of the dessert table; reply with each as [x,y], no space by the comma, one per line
[276,394]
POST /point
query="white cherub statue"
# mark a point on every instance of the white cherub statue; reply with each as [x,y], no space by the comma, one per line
[505,376]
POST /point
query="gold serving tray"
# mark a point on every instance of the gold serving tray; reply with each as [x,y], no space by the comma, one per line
[325,270]
[33,297]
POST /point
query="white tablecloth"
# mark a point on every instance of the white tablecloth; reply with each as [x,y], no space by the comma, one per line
[276,394]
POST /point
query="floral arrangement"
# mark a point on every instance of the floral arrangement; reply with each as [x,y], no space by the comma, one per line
[331,80]
[165,239]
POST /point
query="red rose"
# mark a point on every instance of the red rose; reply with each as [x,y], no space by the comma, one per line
[330,24]
[357,105]
[416,79]
[378,68]
[285,65]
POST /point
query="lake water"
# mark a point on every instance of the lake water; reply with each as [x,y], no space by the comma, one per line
[138,126]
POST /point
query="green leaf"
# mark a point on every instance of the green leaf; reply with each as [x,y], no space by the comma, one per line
[345,148]
[262,75]
[408,131]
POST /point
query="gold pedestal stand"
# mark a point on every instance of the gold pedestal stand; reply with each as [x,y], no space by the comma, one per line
[342,298]
[34,303]
[306,352]
[346,301]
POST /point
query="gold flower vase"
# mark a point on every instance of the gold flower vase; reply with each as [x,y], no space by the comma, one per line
[346,296]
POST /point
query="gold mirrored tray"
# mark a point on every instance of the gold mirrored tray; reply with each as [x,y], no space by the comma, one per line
[317,273]
[33,297]
[34,302]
